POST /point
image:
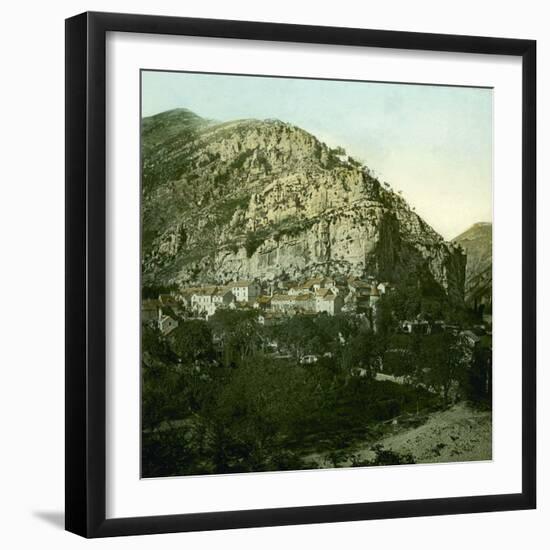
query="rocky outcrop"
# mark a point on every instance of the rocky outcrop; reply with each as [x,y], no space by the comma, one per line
[477,242]
[267,200]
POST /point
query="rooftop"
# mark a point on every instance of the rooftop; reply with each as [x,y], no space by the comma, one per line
[206,291]
[358,283]
[235,284]
[322,292]
[314,281]
[281,298]
[221,291]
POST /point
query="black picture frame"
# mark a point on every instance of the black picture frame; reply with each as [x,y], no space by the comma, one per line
[86,283]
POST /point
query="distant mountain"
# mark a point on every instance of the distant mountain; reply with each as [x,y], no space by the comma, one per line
[477,242]
[267,200]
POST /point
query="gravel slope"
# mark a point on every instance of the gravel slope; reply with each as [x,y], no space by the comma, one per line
[458,434]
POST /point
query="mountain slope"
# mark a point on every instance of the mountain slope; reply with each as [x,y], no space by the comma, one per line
[265,199]
[477,242]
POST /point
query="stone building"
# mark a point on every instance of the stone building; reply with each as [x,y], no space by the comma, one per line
[166,323]
[149,310]
[207,300]
[245,291]
[326,301]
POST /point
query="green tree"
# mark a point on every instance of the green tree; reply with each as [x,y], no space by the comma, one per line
[363,351]
[446,358]
[478,387]
[192,341]
[240,332]
[256,413]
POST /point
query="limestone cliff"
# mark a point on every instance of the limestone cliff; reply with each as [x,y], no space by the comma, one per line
[477,242]
[263,199]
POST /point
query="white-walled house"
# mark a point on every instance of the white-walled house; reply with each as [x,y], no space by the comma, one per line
[293,303]
[383,287]
[282,302]
[245,291]
[299,289]
[322,282]
[312,285]
[201,299]
[326,301]
[222,297]
[207,300]
[305,302]
[166,323]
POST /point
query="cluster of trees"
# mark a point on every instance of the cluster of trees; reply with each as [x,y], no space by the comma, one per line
[216,398]
[231,395]
[419,294]
[441,363]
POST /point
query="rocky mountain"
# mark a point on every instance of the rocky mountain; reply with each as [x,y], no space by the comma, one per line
[267,200]
[477,242]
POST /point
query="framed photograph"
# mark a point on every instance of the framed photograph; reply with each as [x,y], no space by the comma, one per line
[300,274]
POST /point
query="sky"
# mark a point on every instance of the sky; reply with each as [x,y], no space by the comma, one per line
[432,143]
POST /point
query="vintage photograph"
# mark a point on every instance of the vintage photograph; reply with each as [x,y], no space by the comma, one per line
[316,273]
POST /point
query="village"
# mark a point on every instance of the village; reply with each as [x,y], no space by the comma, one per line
[319,342]
[273,302]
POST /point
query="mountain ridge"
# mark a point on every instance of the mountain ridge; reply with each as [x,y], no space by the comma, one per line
[266,199]
[477,241]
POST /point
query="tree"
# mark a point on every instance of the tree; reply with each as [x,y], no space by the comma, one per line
[402,357]
[261,407]
[446,358]
[363,351]
[159,396]
[300,335]
[167,452]
[417,293]
[478,384]
[404,302]
[192,341]
[239,331]
[384,320]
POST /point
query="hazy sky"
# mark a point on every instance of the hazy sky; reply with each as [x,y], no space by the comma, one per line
[433,143]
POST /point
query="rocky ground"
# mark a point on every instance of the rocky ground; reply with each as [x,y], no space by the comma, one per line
[458,434]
